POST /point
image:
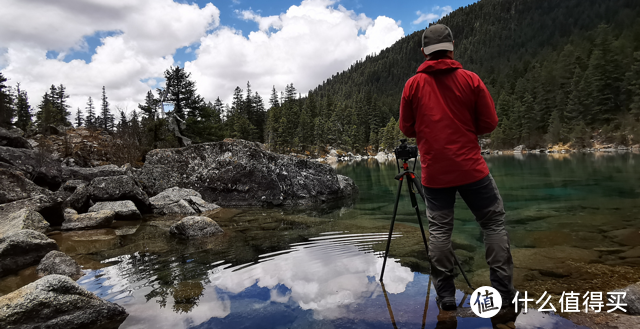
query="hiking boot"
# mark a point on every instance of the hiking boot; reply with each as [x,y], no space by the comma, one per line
[447,303]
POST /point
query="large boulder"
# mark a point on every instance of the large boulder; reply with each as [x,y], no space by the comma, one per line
[240,173]
[42,168]
[125,210]
[180,201]
[57,262]
[195,227]
[92,220]
[58,302]
[115,188]
[22,249]
[9,139]
[24,219]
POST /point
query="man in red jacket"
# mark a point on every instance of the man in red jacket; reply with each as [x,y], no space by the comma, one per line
[446,108]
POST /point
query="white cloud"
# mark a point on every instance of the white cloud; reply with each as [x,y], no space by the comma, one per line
[436,13]
[304,46]
[148,34]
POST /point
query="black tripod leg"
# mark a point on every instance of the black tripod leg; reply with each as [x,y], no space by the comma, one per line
[414,204]
[393,220]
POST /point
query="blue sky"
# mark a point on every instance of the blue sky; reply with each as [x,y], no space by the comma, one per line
[403,11]
[127,45]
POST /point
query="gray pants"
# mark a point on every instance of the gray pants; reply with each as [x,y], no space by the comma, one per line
[484,201]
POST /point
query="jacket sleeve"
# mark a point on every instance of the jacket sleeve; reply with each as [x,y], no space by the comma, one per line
[486,117]
[407,115]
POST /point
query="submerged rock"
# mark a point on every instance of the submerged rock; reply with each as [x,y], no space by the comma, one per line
[24,219]
[10,139]
[195,227]
[56,301]
[22,249]
[57,262]
[241,173]
[180,201]
[92,220]
[125,210]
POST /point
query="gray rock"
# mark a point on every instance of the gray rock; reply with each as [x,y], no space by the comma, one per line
[89,174]
[21,249]
[57,302]
[240,173]
[69,187]
[11,139]
[72,185]
[347,186]
[195,227]
[181,207]
[48,205]
[40,167]
[632,299]
[171,195]
[17,187]
[200,205]
[24,219]
[180,201]
[57,262]
[115,188]
[92,220]
[125,210]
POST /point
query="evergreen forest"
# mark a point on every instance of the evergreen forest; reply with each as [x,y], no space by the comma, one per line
[559,72]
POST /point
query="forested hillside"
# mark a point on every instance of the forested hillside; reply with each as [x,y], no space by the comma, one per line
[559,71]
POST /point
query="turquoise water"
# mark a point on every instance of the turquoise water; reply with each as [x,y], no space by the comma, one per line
[276,268]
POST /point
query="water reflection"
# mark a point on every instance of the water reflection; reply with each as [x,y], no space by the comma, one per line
[330,275]
[570,218]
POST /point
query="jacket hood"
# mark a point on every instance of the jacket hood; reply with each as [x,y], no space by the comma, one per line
[439,65]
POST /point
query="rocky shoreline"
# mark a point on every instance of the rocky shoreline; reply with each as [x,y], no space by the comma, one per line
[42,195]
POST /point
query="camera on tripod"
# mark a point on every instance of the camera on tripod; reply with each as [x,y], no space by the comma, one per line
[405,152]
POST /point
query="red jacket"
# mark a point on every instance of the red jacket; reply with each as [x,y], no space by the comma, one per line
[445,108]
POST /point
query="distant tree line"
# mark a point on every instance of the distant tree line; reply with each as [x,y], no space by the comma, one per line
[559,72]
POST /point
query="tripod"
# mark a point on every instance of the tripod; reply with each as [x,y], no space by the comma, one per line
[411,182]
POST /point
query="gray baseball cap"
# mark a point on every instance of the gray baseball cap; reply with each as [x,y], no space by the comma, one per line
[437,37]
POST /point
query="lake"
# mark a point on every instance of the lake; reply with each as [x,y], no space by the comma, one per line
[571,218]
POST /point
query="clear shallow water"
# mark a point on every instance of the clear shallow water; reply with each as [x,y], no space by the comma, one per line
[320,268]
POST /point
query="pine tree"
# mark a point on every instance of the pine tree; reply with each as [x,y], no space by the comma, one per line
[633,86]
[597,81]
[258,117]
[123,124]
[554,134]
[575,113]
[23,110]
[273,101]
[107,119]
[90,119]
[181,91]
[6,104]
[47,113]
[78,118]
[60,99]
